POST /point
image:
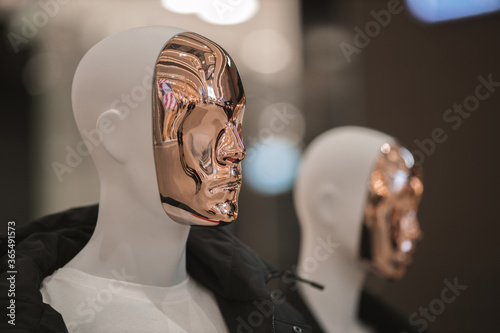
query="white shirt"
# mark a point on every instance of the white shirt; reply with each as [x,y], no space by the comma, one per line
[92,304]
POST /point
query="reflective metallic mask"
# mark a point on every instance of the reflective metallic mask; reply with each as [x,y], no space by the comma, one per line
[198,106]
[391,228]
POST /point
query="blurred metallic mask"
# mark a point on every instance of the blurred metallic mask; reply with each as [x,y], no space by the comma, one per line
[198,106]
[391,228]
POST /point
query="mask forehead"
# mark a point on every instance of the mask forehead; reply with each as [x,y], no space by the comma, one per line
[199,72]
[198,99]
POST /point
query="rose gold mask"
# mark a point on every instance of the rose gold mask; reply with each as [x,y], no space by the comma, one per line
[198,107]
[391,228]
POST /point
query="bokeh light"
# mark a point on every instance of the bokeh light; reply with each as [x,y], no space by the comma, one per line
[443,10]
[266,51]
[182,6]
[221,12]
[271,165]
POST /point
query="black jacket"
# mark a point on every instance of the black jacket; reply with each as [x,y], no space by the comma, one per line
[216,259]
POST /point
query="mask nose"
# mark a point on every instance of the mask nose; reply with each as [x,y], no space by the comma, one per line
[230,148]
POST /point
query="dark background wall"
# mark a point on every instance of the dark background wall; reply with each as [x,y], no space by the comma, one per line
[15,133]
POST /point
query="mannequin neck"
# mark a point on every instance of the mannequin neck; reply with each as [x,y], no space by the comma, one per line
[336,306]
[134,240]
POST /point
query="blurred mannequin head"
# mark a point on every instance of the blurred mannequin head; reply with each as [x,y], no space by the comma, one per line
[359,186]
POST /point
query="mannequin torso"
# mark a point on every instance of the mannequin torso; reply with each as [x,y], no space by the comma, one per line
[335,307]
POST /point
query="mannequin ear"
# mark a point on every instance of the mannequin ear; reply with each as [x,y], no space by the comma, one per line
[113,139]
[327,196]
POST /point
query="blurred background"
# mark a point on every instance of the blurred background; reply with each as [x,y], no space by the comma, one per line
[307,66]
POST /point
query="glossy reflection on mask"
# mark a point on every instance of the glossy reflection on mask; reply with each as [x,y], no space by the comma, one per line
[391,228]
[198,110]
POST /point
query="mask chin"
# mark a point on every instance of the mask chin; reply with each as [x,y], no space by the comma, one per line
[187,216]
[389,270]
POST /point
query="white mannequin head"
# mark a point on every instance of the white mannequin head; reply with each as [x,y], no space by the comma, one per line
[341,172]
[115,97]
[332,187]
